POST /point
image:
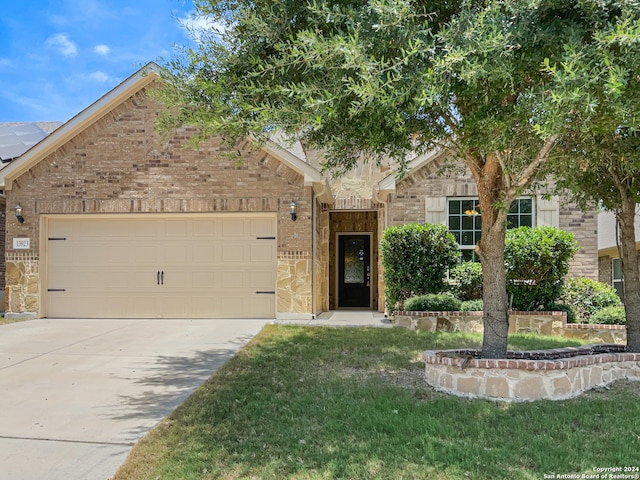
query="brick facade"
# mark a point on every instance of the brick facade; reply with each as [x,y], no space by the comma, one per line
[116,163]
[408,205]
[119,165]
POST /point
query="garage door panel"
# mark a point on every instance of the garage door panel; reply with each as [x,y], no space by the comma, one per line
[232,254]
[208,266]
[262,280]
[261,253]
[262,227]
[233,228]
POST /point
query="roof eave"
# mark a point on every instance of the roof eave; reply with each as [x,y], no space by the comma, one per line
[312,177]
[388,184]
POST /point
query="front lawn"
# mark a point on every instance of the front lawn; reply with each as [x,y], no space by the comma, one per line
[329,403]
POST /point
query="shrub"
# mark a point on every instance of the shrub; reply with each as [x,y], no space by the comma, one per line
[467,281]
[471,306]
[432,303]
[416,259]
[536,262]
[572,315]
[609,316]
[588,296]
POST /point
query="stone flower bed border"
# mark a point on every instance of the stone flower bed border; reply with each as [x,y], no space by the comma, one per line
[544,323]
[556,374]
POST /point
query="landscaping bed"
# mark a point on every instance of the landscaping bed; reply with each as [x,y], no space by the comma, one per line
[555,374]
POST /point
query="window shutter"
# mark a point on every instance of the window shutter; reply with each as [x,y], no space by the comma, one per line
[548,212]
[435,210]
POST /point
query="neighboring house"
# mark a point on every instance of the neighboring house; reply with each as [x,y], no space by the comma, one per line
[609,264]
[119,222]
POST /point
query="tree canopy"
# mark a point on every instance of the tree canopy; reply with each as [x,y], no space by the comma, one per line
[391,78]
[600,162]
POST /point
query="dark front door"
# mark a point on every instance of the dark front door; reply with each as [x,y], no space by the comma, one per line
[354,271]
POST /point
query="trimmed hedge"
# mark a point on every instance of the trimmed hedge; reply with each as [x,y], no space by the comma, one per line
[472,306]
[416,258]
[588,296]
[536,262]
[467,281]
[432,303]
[609,316]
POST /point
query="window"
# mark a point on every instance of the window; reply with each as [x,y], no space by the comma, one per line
[465,222]
[616,277]
[520,213]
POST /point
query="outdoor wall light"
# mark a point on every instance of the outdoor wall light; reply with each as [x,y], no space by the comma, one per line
[293,210]
[19,213]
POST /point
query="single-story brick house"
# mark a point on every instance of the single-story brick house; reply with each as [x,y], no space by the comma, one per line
[119,222]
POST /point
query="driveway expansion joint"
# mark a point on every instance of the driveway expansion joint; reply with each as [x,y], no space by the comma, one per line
[63,440]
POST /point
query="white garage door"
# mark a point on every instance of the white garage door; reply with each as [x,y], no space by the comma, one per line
[175,267]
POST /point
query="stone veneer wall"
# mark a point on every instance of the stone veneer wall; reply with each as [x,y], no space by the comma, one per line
[322,259]
[526,380]
[543,323]
[120,165]
[352,222]
[21,292]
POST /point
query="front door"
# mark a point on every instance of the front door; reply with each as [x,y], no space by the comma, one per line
[354,271]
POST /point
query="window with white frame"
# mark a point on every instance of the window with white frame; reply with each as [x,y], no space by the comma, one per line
[464,221]
[616,277]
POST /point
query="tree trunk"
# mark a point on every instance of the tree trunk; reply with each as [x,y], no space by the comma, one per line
[630,273]
[489,178]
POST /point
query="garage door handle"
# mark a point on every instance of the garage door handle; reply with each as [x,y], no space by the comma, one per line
[266,293]
[160,277]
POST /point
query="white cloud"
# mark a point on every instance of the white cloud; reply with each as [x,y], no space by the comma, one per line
[62,43]
[103,50]
[101,77]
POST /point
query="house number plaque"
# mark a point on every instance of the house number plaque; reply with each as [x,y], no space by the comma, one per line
[21,243]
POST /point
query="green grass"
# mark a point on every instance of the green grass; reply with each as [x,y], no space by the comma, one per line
[324,403]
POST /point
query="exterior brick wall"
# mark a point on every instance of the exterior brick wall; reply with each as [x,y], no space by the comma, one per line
[407,205]
[605,270]
[3,225]
[120,165]
[584,227]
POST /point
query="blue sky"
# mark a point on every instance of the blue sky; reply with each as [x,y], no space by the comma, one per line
[57,57]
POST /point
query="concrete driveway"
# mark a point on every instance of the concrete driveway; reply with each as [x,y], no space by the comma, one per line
[76,395]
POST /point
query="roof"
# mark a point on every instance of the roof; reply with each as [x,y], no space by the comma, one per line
[16,138]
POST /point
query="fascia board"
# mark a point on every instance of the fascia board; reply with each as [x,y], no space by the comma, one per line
[388,184]
[312,177]
[77,124]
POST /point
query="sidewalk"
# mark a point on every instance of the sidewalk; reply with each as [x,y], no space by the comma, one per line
[344,318]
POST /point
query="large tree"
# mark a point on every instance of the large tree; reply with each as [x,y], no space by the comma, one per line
[392,77]
[599,160]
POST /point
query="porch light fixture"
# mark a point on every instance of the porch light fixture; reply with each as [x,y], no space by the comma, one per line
[293,210]
[19,213]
